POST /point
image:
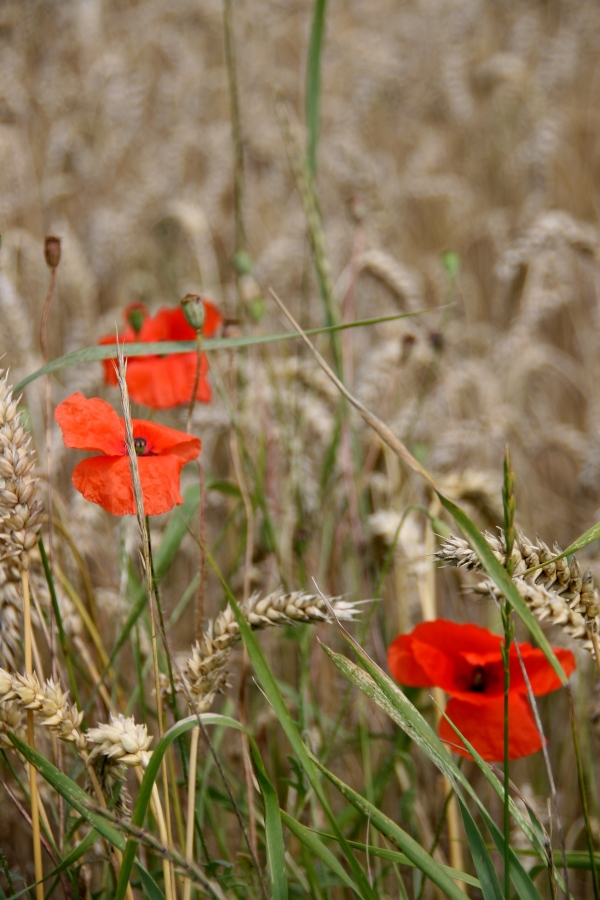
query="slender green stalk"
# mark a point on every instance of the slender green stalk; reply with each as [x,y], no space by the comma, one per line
[313,84]
[506,661]
[510,505]
[61,631]
[236,130]
[583,794]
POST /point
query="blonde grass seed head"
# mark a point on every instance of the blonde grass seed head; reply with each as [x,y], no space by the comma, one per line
[20,507]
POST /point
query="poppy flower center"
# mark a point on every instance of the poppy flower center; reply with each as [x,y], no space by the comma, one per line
[140,445]
[478,680]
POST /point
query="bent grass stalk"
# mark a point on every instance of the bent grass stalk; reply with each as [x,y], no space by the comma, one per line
[169,876]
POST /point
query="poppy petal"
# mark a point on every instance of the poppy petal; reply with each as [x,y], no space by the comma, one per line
[162,441]
[403,664]
[90,425]
[106,480]
[212,319]
[483,727]
[541,674]
[445,654]
[167,381]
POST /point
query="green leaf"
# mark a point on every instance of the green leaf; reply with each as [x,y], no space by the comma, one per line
[377,685]
[490,886]
[402,859]
[500,576]
[316,846]
[521,879]
[588,537]
[273,831]
[86,844]
[151,888]
[313,83]
[275,698]
[73,794]
[109,351]
[421,859]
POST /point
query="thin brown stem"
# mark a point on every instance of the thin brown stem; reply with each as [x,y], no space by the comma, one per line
[188,426]
[48,427]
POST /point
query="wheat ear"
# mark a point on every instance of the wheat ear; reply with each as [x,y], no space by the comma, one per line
[20,517]
[558,593]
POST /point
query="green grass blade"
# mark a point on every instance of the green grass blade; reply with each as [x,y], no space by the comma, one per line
[499,575]
[393,832]
[313,83]
[520,878]
[273,830]
[70,790]
[399,708]
[490,886]
[402,859]
[313,842]
[388,695]
[588,537]
[151,889]
[109,351]
[275,698]
[86,844]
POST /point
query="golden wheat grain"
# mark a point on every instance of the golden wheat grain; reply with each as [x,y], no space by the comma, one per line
[557,594]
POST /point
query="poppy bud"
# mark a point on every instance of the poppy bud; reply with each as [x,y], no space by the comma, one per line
[193,310]
[135,314]
[52,251]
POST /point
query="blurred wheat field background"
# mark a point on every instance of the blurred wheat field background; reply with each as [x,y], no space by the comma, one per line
[457,173]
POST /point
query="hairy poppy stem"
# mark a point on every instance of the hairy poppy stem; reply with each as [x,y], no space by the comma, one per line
[188,426]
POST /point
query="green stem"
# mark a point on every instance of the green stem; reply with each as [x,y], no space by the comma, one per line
[508,633]
[583,795]
[236,130]
[61,631]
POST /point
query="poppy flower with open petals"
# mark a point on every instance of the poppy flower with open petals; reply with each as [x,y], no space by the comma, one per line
[162,382]
[106,479]
[466,662]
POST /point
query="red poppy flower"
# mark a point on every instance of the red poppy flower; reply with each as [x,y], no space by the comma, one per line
[106,480]
[466,662]
[162,382]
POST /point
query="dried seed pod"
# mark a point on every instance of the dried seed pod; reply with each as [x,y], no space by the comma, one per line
[52,251]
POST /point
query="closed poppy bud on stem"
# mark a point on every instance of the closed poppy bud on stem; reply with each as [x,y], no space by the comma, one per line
[52,251]
[135,314]
[193,310]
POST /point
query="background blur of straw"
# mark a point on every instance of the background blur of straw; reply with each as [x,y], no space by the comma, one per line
[458,163]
